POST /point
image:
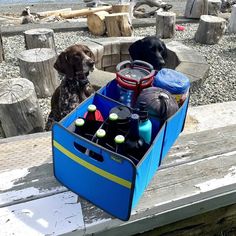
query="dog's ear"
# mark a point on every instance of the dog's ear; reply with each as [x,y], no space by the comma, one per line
[135,50]
[63,66]
[59,64]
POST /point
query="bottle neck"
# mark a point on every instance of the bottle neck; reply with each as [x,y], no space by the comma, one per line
[91,115]
[134,129]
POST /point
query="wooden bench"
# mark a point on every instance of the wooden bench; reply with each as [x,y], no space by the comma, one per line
[197,177]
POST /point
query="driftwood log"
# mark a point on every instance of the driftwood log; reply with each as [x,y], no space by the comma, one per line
[196,8]
[156,4]
[118,24]
[39,38]
[20,112]
[214,7]
[53,13]
[118,8]
[210,29]
[85,12]
[165,24]
[37,66]
[1,48]
[96,23]
[232,20]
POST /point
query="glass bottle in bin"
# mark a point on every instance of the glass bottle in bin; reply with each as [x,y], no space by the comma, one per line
[94,119]
[80,130]
[79,126]
[111,129]
[119,144]
[100,139]
[135,145]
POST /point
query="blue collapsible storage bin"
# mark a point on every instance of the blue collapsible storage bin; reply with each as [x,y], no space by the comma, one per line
[114,184]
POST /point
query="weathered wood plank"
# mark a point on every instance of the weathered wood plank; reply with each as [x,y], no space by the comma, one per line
[200,190]
[33,157]
[26,170]
[218,222]
[53,215]
[191,147]
[192,185]
[22,152]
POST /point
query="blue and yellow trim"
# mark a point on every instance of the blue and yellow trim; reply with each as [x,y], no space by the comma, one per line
[91,167]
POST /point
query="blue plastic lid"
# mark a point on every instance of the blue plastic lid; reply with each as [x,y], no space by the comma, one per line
[173,81]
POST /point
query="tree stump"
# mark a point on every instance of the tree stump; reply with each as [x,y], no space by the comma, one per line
[210,29]
[20,112]
[119,8]
[232,20]
[96,23]
[1,49]
[118,24]
[196,8]
[39,38]
[214,7]
[37,66]
[165,24]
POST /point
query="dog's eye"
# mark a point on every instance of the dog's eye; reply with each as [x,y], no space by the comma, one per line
[87,52]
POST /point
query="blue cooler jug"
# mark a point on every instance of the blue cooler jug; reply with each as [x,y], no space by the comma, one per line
[131,78]
[174,82]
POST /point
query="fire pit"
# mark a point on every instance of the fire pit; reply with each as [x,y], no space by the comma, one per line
[111,51]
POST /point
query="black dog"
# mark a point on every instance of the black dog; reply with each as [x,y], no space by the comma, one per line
[150,49]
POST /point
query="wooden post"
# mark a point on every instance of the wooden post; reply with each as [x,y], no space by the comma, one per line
[20,112]
[37,66]
[196,8]
[118,24]
[214,7]
[96,23]
[1,48]
[232,20]
[39,38]
[119,8]
[210,29]
[165,24]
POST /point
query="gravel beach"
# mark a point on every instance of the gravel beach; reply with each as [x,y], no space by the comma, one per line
[220,86]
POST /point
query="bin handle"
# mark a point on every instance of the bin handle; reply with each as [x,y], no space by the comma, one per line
[144,64]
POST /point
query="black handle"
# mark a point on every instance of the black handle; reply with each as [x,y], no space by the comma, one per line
[123,65]
[143,64]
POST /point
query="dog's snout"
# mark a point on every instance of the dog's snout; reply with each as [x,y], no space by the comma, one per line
[162,62]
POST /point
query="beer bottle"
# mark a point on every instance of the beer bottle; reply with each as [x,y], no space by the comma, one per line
[111,130]
[90,115]
[119,142]
[100,139]
[80,130]
[93,119]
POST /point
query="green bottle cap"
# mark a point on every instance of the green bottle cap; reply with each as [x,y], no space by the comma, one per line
[113,116]
[92,107]
[101,133]
[119,139]
[79,122]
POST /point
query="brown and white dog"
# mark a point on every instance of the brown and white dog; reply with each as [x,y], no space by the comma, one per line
[74,64]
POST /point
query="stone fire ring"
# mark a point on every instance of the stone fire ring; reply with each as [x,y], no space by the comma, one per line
[110,51]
